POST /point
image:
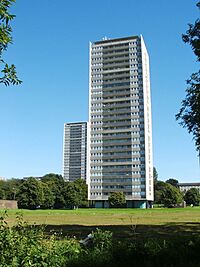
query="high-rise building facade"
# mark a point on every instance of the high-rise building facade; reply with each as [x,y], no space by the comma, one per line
[75,151]
[119,129]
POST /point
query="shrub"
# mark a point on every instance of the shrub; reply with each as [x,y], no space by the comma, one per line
[23,246]
[192,196]
[102,240]
[117,200]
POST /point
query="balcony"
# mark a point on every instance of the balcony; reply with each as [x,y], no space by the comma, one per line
[111,52]
[111,150]
[114,111]
[115,124]
[114,93]
[116,99]
[124,64]
[119,156]
[116,58]
[115,143]
[120,74]
[114,118]
[116,105]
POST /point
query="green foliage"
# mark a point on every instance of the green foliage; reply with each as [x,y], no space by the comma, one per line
[23,246]
[83,188]
[2,194]
[156,253]
[52,177]
[9,188]
[155,174]
[56,185]
[9,75]
[117,200]
[171,196]
[50,191]
[167,194]
[189,114]
[72,195]
[192,196]
[30,194]
[98,252]
[158,187]
[48,196]
[173,182]
[47,192]
[192,36]
[75,194]
[155,180]
[102,240]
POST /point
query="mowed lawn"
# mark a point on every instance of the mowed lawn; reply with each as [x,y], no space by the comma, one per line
[97,217]
[158,222]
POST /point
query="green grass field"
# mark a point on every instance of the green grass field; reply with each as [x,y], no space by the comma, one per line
[125,223]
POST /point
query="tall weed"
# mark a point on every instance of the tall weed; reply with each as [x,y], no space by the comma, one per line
[24,245]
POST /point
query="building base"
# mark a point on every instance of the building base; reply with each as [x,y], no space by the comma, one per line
[139,204]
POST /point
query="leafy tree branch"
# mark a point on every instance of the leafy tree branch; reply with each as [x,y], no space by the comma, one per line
[8,72]
[189,114]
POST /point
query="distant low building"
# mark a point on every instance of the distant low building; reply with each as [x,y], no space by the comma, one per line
[184,187]
[2,179]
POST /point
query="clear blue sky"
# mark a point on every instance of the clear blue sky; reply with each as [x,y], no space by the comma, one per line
[50,50]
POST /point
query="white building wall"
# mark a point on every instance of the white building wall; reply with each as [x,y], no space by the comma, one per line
[147,122]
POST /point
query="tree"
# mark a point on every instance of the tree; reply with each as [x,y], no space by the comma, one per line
[170,196]
[75,194]
[159,187]
[167,194]
[9,188]
[83,191]
[2,194]
[72,195]
[9,75]
[56,185]
[48,197]
[2,191]
[192,36]
[30,194]
[173,182]
[192,196]
[189,114]
[155,174]
[117,200]
[52,177]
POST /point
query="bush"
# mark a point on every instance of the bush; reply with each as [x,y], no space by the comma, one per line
[192,196]
[23,245]
[117,200]
[167,194]
[102,240]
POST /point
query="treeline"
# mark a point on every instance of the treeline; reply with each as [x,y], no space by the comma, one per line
[48,192]
[169,195]
[52,192]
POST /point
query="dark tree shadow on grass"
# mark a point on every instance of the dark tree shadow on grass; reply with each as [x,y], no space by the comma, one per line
[127,232]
